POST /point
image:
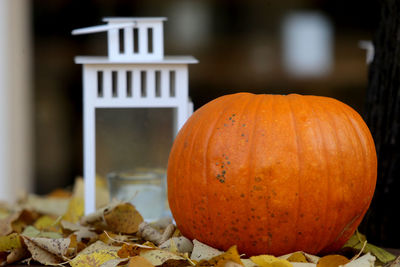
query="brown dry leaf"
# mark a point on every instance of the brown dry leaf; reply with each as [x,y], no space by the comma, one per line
[10,242]
[270,261]
[95,255]
[297,257]
[116,239]
[158,256]
[118,217]
[124,218]
[96,219]
[138,261]
[81,232]
[47,251]
[175,263]
[73,247]
[231,255]
[332,261]
[130,250]
[17,221]
[17,255]
[203,252]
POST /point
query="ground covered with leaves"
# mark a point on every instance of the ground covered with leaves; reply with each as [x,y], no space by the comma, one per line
[52,230]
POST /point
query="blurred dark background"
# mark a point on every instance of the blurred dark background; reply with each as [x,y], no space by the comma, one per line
[240,46]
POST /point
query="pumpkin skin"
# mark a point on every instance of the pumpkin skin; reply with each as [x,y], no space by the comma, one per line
[272,174]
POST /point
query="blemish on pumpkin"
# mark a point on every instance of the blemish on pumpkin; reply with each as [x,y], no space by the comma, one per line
[269,234]
[242,195]
[228,162]
[257,188]
[301,215]
[253,209]
[299,233]
[257,179]
[235,229]
[242,135]
[244,125]
[272,215]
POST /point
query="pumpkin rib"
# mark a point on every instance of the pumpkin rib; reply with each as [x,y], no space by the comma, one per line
[363,134]
[251,147]
[324,153]
[300,161]
[336,225]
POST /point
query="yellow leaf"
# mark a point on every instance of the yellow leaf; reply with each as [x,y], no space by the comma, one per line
[46,223]
[332,261]
[270,261]
[75,210]
[95,255]
[158,256]
[9,242]
[297,257]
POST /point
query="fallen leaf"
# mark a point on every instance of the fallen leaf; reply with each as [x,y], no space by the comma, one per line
[158,256]
[248,263]
[81,232]
[10,242]
[75,209]
[357,242]
[46,205]
[332,261]
[47,222]
[270,261]
[175,263]
[365,261]
[17,254]
[114,263]
[47,251]
[124,218]
[138,261]
[202,251]
[131,250]
[231,255]
[32,232]
[95,255]
[120,217]
[297,257]
[395,263]
[309,258]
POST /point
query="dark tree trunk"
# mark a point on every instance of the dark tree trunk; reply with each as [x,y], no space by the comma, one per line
[383,117]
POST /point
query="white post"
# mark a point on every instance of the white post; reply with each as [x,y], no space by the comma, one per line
[15,99]
[89,141]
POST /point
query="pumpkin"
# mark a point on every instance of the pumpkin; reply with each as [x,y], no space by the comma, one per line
[272,174]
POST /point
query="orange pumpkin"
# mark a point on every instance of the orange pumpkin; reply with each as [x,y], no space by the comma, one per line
[272,174]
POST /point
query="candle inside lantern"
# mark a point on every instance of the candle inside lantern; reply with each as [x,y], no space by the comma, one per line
[145,189]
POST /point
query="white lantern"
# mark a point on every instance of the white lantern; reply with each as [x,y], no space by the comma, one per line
[136,74]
